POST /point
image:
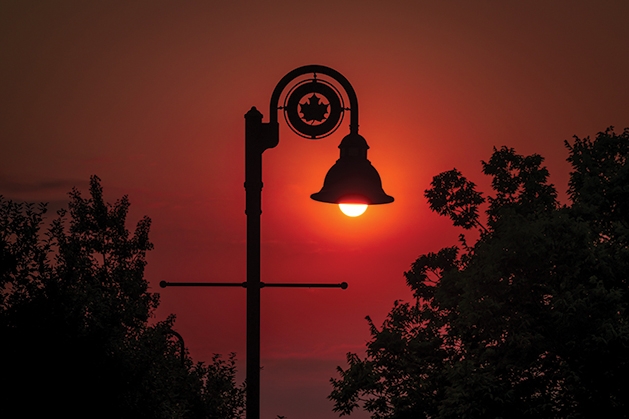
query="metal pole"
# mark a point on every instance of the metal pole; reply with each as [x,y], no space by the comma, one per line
[253,209]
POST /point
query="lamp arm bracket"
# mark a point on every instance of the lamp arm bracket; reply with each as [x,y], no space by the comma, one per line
[320,69]
[264,135]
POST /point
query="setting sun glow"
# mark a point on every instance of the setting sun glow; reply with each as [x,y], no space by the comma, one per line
[353,210]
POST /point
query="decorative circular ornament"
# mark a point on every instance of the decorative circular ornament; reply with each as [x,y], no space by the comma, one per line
[313,108]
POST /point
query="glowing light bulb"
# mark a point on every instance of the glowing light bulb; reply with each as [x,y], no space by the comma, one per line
[353,210]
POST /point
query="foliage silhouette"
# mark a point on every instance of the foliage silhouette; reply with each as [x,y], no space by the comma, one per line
[532,320]
[74,319]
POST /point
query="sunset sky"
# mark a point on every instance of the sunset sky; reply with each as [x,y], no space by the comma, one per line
[151,96]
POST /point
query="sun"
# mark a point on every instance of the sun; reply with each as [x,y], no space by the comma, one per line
[353,210]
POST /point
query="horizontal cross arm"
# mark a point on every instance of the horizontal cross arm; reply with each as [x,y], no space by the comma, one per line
[342,285]
[164,284]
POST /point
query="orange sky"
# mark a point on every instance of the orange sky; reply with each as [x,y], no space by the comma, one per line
[150,96]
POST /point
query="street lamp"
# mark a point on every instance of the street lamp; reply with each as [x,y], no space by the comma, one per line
[313,108]
[352,182]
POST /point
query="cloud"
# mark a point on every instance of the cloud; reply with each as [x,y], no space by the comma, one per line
[37,190]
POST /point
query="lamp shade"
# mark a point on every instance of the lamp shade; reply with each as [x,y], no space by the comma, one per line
[352,179]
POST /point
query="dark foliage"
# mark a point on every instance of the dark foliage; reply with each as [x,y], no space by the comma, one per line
[74,321]
[532,320]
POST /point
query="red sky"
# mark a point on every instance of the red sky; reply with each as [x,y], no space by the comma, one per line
[150,96]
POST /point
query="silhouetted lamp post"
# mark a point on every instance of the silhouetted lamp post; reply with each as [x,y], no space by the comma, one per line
[313,108]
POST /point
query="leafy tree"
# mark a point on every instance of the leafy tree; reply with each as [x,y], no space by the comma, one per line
[530,321]
[74,322]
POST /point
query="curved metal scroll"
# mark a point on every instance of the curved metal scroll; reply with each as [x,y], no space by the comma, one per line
[295,101]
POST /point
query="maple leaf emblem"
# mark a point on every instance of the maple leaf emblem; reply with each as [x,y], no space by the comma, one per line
[314,109]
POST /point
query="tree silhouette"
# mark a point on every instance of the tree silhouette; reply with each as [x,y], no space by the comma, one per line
[74,319]
[532,320]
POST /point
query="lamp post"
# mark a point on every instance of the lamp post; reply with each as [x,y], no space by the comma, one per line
[313,108]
